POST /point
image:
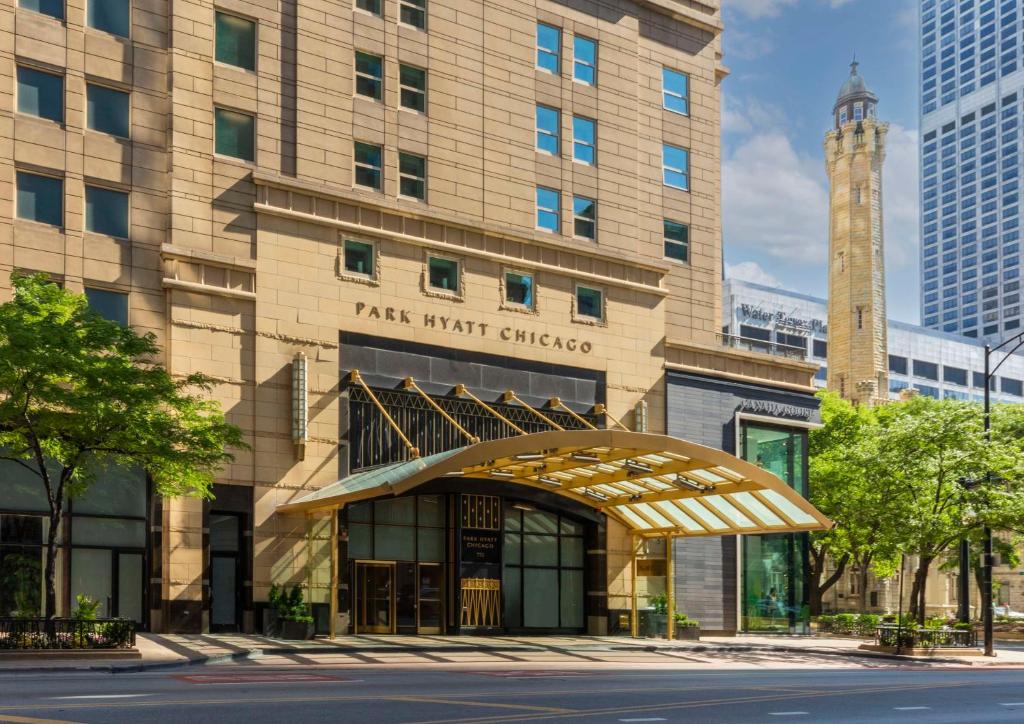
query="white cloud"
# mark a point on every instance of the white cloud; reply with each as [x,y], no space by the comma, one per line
[900,198]
[743,116]
[759,8]
[751,271]
[748,46]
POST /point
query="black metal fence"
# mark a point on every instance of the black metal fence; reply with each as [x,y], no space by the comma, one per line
[925,638]
[65,633]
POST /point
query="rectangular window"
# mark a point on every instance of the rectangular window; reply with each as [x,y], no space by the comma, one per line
[234,134]
[858,111]
[413,88]
[359,257]
[1012,387]
[547,209]
[443,273]
[412,176]
[584,60]
[548,127]
[676,167]
[677,241]
[519,289]
[107,110]
[675,87]
[820,348]
[842,115]
[927,370]
[111,16]
[898,364]
[106,211]
[40,198]
[955,375]
[40,94]
[584,214]
[109,305]
[589,302]
[584,140]
[549,48]
[369,75]
[235,42]
[370,6]
[413,12]
[368,165]
[53,8]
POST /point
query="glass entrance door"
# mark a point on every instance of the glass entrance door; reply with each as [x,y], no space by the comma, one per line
[375,598]
[429,603]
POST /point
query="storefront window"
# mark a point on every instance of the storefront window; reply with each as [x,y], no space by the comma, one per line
[774,567]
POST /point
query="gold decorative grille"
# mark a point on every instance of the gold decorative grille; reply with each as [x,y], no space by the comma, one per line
[481,512]
[481,602]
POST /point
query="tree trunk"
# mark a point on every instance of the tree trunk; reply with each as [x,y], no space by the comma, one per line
[919,590]
[817,588]
[862,586]
[49,573]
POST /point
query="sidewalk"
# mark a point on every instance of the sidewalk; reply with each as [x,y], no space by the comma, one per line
[180,650]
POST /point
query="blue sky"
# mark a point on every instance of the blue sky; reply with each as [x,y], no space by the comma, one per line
[788,59]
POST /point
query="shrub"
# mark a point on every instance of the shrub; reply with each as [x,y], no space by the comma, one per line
[87,609]
[289,605]
[682,619]
[659,603]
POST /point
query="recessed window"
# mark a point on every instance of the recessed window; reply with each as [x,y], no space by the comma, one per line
[676,167]
[369,75]
[858,111]
[359,257]
[234,134]
[675,87]
[842,116]
[547,209]
[519,289]
[107,110]
[548,124]
[589,302]
[370,6]
[368,167]
[413,12]
[53,8]
[109,305]
[584,140]
[106,211]
[40,198]
[412,175]
[1013,387]
[413,88]
[584,217]
[235,42]
[677,241]
[443,273]
[820,348]
[927,370]
[584,60]
[40,94]
[549,47]
[111,16]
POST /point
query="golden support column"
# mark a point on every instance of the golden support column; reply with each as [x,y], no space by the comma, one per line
[670,588]
[633,622]
[334,573]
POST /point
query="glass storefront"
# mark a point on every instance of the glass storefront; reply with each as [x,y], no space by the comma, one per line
[774,567]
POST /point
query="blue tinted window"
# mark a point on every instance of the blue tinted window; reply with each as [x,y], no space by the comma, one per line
[40,198]
[234,134]
[549,46]
[109,305]
[547,209]
[548,123]
[112,16]
[40,94]
[584,140]
[107,110]
[54,8]
[584,51]
[675,87]
[676,166]
[106,211]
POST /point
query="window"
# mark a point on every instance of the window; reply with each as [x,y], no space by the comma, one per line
[368,158]
[584,140]
[413,12]
[842,115]
[111,16]
[40,94]
[858,111]
[235,42]
[370,6]
[40,198]
[109,305]
[369,75]
[677,241]
[519,289]
[589,302]
[547,209]
[106,211]
[53,8]
[978,380]
[584,60]
[584,215]
[675,87]
[954,375]
[443,273]
[412,176]
[234,134]
[413,86]
[927,370]
[898,364]
[676,166]
[1012,387]
[549,47]
[107,110]
[547,130]
[820,348]
[359,258]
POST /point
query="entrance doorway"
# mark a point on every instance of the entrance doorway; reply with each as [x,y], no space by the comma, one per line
[225,572]
[375,597]
[429,606]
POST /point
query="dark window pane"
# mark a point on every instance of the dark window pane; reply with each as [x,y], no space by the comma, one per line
[358,257]
[369,75]
[370,6]
[236,41]
[589,303]
[1013,387]
[54,8]
[898,364]
[40,198]
[413,82]
[21,578]
[106,211]
[519,288]
[928,370]
[368,158]
[413,12]
[444,274]
[109,305]
[956,375]
[820,348]
[40,94]
[107,110]
[26,529]
[112,16]
[235,134]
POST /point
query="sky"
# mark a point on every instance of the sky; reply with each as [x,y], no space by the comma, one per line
[788,59]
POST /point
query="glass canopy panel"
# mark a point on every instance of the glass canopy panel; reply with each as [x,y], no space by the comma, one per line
[638,522]
[675,513]
[655,515]
[707,476]
[759,509]
[788,509]
[703,514]
[733,514]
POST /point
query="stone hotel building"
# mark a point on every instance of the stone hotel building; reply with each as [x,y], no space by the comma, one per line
[456,266]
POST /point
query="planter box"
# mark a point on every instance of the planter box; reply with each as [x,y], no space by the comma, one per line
[296,630]
[688,633]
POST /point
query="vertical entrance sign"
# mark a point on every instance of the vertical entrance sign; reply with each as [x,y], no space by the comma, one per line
[300,404]
[480,560]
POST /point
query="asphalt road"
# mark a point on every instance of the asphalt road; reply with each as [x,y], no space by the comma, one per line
[296,694]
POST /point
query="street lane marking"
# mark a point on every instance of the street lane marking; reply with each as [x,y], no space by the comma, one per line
[649,718]
[260,678]
[485,704]
[911,708]
[1013,703]
[787,713]
[102,696]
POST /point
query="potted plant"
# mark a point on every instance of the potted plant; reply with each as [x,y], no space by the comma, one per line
[687,629]
[291,617]
[658,618]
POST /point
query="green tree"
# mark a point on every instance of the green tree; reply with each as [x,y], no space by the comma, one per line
[79,394]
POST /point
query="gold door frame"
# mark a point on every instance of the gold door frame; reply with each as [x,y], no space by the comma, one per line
[360,599]
[440,599]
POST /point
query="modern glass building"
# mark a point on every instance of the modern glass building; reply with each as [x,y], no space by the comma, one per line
[972,91]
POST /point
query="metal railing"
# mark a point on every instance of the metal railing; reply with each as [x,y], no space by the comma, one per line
[762,346]
[925,638]
[65,633]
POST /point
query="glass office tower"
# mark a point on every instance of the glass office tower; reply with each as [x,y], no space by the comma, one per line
[972,89]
